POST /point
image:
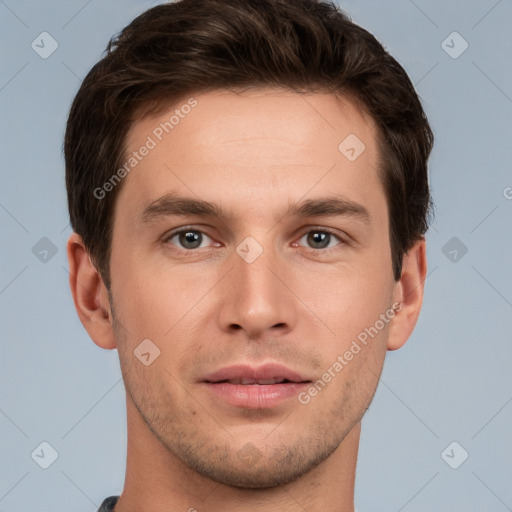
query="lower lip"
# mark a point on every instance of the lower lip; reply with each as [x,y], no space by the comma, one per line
[255,396]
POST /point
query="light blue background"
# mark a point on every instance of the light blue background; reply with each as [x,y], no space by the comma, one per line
[452,380]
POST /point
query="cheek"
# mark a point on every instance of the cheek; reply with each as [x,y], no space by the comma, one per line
[137,286]
[349,379]
[353,348]
[347,300]
[162,303]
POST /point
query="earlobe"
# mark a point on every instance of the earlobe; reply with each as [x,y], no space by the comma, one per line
[409,293]
[89,294]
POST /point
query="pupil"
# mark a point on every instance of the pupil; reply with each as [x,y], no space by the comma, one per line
[319,238]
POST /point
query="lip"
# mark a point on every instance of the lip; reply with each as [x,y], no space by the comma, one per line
[264,372]
[255,396]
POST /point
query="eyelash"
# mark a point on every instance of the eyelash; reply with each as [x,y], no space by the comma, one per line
[341,241]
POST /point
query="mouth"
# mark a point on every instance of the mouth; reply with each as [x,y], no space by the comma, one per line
[244,374]
[244,381]
[250,387]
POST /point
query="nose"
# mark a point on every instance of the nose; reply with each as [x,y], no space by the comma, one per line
[257,296]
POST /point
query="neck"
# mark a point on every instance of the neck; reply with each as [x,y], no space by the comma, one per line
[157,480]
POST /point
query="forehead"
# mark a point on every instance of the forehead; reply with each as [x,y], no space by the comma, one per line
[257,144]
[255,113]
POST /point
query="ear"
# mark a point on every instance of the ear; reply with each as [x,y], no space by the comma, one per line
[89,294]
[408,293]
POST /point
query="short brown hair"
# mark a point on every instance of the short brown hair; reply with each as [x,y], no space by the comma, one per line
[193,46]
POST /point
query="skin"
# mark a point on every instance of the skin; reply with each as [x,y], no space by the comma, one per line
[298,303]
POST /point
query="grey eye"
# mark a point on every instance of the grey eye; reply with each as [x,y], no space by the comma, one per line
[189,239]
[318,239]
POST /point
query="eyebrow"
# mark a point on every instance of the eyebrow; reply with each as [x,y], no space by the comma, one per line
[171,205]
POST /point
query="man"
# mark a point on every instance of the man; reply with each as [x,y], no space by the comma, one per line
[247,182]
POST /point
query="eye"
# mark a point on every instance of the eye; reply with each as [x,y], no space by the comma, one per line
[188,239]
[321,239]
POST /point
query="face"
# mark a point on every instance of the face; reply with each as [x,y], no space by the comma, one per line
[248,244]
